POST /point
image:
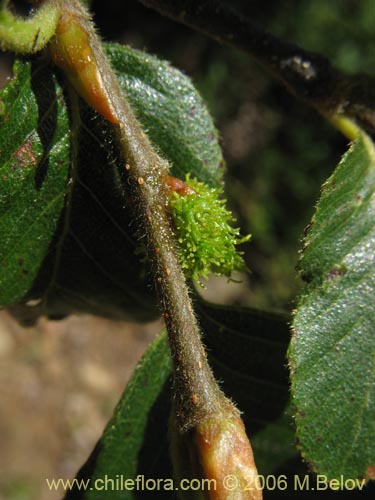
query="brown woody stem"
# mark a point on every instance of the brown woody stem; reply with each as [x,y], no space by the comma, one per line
[197,394]
[307,75]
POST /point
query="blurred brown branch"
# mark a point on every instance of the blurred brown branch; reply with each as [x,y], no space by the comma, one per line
[307,75]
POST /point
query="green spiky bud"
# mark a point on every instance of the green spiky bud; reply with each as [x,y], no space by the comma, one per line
[205,233]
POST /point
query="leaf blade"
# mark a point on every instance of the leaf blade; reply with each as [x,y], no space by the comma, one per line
[86,260]
[172,112]
[332,352]
[31,200]
[147,444]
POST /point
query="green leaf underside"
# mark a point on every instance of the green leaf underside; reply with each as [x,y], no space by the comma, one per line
[332,352]
[240,343]
[83,258]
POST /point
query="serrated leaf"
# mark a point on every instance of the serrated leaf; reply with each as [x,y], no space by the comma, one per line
[246,348]
[76,241]
[332,353]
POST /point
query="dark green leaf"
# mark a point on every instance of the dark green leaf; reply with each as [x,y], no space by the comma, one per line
[275,445]
[126,445]
[66,237]
[86,259]
[172,113]
[246,348]
[34,166]
[332,353]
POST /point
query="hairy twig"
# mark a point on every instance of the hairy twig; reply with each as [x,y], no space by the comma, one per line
[77,50]
[308,75]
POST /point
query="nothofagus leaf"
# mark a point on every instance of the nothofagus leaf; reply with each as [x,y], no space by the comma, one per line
[240,343]
[331,355]
[66,236]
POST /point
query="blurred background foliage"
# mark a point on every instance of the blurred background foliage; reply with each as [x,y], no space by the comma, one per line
[278,151]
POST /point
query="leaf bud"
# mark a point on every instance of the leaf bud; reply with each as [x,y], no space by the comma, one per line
[217,452]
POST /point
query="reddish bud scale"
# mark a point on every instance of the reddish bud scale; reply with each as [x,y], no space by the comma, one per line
[178,186]
[225,454]
[72,52]
[218,452]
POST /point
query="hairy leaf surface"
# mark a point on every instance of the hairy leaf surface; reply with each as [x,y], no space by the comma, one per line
[34,169]
[332,353]
[172,113]
[66,235]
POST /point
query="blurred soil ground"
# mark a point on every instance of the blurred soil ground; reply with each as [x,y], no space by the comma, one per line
[59,384]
